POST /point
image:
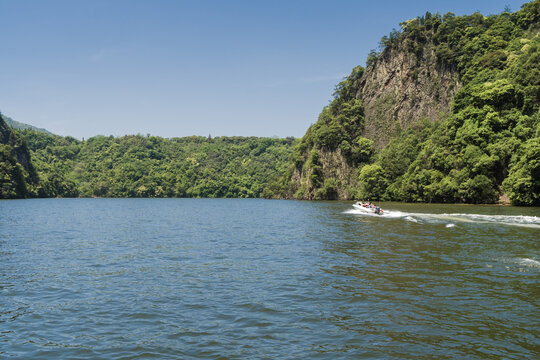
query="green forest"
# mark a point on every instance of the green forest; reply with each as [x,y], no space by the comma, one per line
[487,148]
[144,166]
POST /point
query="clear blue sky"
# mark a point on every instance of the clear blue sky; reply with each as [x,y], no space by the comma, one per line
[179,68]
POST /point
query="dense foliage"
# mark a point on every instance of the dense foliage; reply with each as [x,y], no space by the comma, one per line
[17,175]
[150,166]
[490,144]
[488,147]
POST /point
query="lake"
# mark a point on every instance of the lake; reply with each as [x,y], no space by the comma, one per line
[254,279]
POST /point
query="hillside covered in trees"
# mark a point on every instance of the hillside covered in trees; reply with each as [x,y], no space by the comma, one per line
[151,166]
[39,164]
[447,111]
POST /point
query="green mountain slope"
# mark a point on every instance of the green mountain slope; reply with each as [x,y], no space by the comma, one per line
[150,166]
[447,111]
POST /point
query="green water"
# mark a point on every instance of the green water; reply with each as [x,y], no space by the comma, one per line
[226,278]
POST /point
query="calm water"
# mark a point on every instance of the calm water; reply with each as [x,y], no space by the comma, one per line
[201,278]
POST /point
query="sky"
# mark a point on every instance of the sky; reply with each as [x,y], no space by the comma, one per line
[180,68]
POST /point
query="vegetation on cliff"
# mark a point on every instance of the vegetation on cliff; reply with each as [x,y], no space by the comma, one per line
[17,175]
[447,111]
[486,146]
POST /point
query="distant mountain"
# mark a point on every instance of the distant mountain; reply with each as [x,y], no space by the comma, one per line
[20,126]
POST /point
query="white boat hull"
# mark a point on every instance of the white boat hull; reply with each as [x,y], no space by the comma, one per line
[365,209]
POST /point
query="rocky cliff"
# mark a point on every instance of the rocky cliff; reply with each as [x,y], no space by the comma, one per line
[402,88]
[399,89]
[16,170]
[447,111]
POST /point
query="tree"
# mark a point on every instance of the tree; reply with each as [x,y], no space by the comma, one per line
[372,182]
[523,182]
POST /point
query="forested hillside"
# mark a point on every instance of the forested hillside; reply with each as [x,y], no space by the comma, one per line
[447,111]
[151,166]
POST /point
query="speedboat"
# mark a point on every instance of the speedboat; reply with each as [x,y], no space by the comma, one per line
[373,209]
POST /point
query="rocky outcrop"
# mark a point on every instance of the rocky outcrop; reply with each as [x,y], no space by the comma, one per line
[339,178]
[20,150]
[398,90]
[16,170]
[402,88]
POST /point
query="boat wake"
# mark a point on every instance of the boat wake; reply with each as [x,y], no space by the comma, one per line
[528,262]
[452,219]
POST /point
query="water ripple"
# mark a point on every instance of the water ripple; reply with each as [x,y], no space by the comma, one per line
[234,279]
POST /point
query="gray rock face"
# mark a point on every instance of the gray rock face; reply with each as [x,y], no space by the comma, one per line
[16,171]
[401,89]
[20,151]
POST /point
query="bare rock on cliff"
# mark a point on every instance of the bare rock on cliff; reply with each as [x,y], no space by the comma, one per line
[16,170]
[402,88]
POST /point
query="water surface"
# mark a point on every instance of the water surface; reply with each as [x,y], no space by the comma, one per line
[230,278]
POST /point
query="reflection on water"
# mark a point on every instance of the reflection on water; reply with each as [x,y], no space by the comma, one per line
[132,278]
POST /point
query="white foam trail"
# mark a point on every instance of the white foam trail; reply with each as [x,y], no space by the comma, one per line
[450,225]
[511,220]
[517,219]
[529,262]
